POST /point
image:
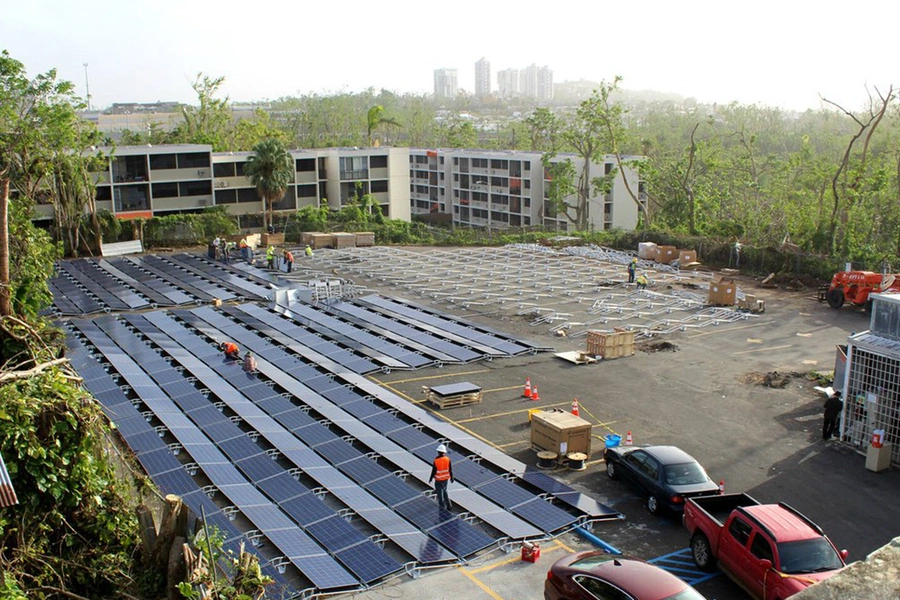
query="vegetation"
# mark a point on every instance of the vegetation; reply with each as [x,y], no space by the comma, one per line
[270,169]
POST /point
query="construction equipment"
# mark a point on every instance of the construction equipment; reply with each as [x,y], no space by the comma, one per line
[855,286]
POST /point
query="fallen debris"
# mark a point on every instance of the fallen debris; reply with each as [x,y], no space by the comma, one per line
[650,347]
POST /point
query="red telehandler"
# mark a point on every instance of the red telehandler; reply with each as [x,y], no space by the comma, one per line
[855,286]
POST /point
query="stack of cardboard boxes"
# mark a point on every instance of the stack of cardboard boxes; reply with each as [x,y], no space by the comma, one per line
[722,292]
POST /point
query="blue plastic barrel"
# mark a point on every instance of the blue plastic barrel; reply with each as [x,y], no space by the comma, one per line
[612,440]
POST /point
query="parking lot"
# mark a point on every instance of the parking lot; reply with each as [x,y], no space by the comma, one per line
[704,395]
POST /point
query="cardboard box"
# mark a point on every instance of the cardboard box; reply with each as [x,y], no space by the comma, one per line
[607,345]
[647,250]
[666,254]
[686,256]
[722,292]
[272,239]
[560,432]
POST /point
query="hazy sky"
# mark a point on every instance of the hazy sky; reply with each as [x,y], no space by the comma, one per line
[779,53]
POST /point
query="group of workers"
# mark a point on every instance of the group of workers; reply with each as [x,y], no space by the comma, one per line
[224,248]
[641,280]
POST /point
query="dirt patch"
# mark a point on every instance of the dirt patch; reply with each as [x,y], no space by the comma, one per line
[650,347]
[773,379]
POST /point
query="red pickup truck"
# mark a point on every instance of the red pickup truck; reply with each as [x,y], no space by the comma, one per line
[770,550]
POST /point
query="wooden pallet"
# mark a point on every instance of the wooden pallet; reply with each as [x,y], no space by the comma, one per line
[451,401]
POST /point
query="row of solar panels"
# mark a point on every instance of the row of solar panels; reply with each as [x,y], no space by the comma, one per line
[313,438]
[90,286]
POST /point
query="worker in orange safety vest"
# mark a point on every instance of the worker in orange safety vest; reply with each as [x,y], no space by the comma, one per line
[230,349]
[442,474]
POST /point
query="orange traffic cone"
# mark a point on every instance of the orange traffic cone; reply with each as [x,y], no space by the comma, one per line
[527,392]
[721,486]
[534,394]
[575,407]
[628,439]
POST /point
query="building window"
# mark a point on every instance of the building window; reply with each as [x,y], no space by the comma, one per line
[195,188]
[239,169]
[306,191]
[161,162]
[223,169]
[607,168]
[306,165]
[165,190]
[247,195]
[378,162]
[131,197]
[527,165]
[104,193]
[226,196]
[379,185]
[354,167]
[193,160]
[287,202]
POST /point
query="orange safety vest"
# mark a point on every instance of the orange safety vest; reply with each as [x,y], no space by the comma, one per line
[288,257]
[231,348]
[442,468]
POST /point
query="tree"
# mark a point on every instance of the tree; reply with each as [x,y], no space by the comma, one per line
[375,118]
[270,169]
[210,122]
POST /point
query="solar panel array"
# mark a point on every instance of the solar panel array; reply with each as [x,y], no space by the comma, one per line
[324,468]
[89,286]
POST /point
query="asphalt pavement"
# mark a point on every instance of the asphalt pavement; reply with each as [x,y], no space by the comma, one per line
[704,396]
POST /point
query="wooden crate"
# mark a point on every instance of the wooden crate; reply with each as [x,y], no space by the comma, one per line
[365,238]
[451,401]
[606,345]
[320,240]
[343,240]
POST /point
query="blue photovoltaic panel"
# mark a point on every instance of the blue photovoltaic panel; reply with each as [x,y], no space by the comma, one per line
[368,562]
[335,533]
[338,451]
[392,491]
[552,520]
[307,509]
[461,538]
[280,487]
[363,470]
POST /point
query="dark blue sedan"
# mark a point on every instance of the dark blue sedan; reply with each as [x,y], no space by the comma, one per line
[663,475]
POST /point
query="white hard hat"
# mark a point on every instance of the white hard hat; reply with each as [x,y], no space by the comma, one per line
[442,448]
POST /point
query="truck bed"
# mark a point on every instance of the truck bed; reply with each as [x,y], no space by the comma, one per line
[717,508]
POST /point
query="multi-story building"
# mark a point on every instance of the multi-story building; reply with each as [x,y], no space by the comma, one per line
[508,83]
[145,181]
[482,78]
[446,84]
[500,189]
[537,82]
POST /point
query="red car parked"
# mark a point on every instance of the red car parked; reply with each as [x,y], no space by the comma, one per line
[597,575]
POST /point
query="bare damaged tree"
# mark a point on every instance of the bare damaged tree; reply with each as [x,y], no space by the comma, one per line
[843,186]
[686,181]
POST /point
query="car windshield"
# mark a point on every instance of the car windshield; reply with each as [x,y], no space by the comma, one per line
[688,594]
[808,556]
[685,474]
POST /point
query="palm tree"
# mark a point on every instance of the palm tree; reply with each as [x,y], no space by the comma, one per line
[376,118]
[270,169]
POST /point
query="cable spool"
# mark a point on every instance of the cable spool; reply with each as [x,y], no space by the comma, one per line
[577,461]
[547,459]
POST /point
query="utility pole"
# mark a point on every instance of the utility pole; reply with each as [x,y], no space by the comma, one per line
[87,86]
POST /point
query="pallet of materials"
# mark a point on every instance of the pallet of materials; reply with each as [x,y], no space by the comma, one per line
[578,357]
[320,240]
[343,240]
[365,238]
[453,395]
[609,345]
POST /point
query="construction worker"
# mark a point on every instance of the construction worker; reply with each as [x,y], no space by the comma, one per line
[289,260]
[642,282]
[230,349]
[442,475]
[632,267]
[245,249]
[833,407]
[270,257]
[249,363]
[309,252]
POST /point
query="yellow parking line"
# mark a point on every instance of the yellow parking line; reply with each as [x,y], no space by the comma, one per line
[503,389]
[764,349]
[506,561]
[727,329]
[511,412]
[481,584]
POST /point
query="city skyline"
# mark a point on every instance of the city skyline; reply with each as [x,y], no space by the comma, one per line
[779,54]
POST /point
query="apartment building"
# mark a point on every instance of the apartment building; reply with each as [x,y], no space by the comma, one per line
[446,83]
[482,78]
[148,181]
[500,189]
[508,83]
